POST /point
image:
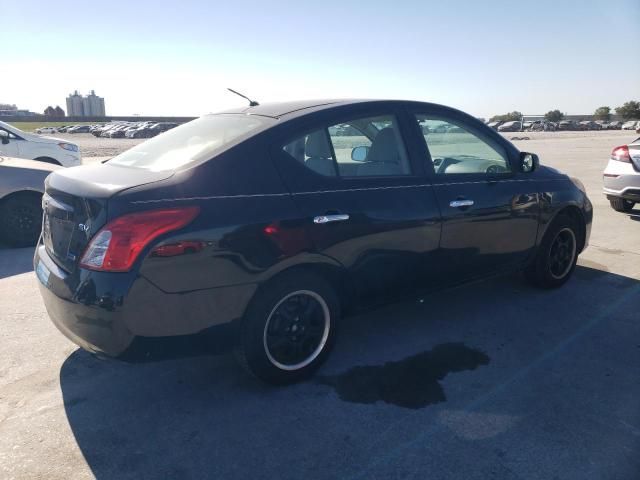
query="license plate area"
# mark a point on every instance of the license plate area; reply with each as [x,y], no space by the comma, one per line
[42,272]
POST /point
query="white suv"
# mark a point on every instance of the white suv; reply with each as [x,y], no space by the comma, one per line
[622,177]
[16,143]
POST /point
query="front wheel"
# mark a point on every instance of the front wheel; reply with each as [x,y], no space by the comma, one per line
[621,205]
[289,328]
[557,255]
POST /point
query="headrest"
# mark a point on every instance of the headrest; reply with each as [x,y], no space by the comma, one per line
[384,148]
[318,145]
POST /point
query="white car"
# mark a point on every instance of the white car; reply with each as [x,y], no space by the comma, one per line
[46,130]
[622,177]
[631,125]
[16,143]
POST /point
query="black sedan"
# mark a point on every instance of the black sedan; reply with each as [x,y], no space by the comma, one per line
[275,219]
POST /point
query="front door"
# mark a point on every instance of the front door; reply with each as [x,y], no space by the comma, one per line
[489,209]
[362,201]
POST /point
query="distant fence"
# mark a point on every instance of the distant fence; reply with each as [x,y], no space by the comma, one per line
[43,118]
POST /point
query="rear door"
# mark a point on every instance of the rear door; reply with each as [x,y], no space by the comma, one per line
[361,198]
[489,208]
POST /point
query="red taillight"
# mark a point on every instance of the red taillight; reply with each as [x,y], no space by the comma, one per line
[117,245]
[621,154]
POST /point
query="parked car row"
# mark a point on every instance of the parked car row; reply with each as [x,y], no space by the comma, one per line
[564,125]
[114,129]
[132,129]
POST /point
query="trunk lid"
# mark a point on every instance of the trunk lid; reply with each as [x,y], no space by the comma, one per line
[75,205]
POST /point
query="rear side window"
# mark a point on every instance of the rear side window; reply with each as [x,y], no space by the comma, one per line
[313,150]
[362,147]
[194,141]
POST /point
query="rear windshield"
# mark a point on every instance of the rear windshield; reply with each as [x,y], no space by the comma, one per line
[194,141]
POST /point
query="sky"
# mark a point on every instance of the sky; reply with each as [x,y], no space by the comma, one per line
[173,58]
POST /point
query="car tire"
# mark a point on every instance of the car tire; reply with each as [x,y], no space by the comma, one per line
[621,205]
[556,257]
[289,328]
[21,219]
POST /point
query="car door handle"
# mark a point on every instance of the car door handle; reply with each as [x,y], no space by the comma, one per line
[460,203]
[340,217]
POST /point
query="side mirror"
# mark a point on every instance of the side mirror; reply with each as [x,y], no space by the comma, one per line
[528,162]
[359,154]
[4,135]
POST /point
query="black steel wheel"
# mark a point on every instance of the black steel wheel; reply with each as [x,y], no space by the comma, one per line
[297,329]
[556,256]
[289,328]
[562,253]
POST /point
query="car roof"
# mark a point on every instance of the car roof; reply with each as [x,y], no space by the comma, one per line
[282,109]
[294,109]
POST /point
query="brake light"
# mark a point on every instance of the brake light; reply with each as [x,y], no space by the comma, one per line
[621,154]
[117,245]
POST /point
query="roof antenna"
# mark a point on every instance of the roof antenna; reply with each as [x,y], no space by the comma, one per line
[252,103]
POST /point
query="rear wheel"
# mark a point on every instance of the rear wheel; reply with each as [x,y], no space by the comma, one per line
[21,219]
[289,328]
[621,205]
[557,255]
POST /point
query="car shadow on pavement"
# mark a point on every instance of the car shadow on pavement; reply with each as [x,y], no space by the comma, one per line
[532,379]
[14,261]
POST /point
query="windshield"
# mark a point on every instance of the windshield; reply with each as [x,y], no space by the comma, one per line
[194,141]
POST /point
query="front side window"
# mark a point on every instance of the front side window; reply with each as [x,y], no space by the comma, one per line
[455,149]
[191,142]
[362,147]
[11,134]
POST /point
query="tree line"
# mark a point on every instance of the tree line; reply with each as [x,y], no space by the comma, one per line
[628,111]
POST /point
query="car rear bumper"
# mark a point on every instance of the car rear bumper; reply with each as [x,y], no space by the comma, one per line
[621,180]
[105,312]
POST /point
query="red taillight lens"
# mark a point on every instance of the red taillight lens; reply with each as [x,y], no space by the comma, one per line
[117,245]
[621,154]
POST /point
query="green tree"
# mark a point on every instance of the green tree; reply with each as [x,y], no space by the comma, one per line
[602,113]
[629,111]
[507,117]
[553,115]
